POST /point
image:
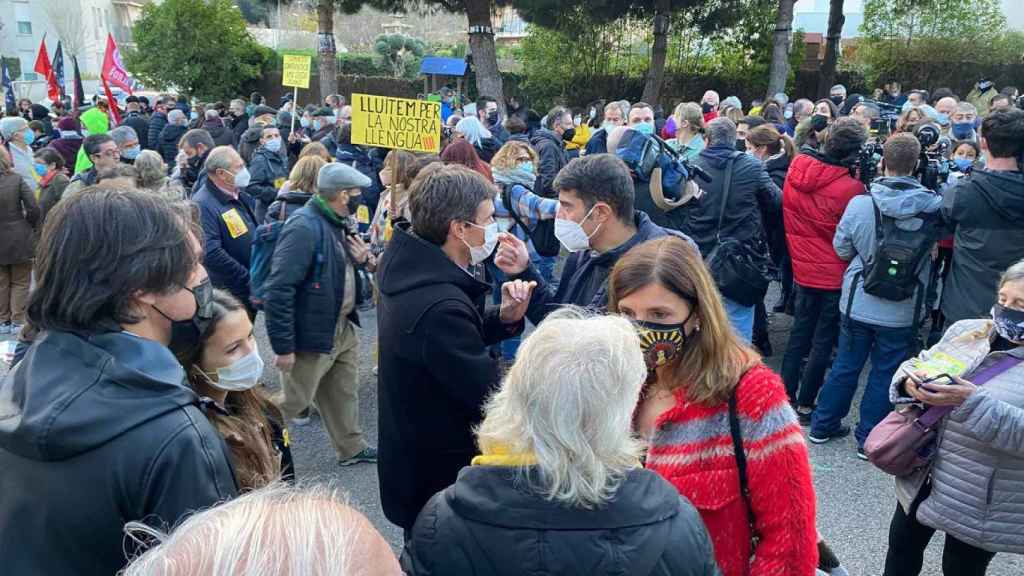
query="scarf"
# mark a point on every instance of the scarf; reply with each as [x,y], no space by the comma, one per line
[515,176]
[327,211]
[501,456]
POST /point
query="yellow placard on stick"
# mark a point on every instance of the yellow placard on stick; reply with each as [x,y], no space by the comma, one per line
[396,123]
[296,71]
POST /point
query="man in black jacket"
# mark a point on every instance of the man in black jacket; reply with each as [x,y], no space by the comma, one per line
[98,426]
[228,217]
[312,293]
[157,121]
[268,169]
[239,119]
[137,121]
[195,146]
[986,210]
[596,198]
[550,147]
[167,141]
[435,368]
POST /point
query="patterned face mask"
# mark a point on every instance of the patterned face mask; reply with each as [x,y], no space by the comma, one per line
[1009,323]
[661,342]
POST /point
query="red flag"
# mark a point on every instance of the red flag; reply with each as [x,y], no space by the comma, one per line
[44,69]
[113,70]
[111,102]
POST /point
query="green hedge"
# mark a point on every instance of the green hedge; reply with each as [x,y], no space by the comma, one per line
[352,63]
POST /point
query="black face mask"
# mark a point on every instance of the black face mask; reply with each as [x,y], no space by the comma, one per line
[707,107]
[741,145]
[837,100]
[492,118]
[185,334]
[569,134]
[353,204]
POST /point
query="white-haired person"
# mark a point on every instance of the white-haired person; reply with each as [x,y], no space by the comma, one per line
[558,488]
[479,136]
[278,530]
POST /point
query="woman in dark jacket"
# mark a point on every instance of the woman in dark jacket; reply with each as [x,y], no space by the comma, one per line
[298,190]
[19,215]
[52,181]
[776,150]
[70,132]
[559,488]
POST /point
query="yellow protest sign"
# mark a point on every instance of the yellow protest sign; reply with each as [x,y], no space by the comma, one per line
[396,123]
[296,71]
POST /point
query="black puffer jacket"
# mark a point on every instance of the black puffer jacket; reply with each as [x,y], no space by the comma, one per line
[489,523]
[157,122]
[551,151]
[304,296]
[290,202]
[96,430]
[268,172]
[435,371]
[167,145]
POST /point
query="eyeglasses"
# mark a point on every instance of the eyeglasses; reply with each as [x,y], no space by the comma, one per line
[112,153]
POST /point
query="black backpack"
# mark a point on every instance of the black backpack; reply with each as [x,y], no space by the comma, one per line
[892,272]
[542,235]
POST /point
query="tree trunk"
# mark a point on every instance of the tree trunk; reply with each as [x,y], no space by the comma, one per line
[659,51]
[326,52]
[835,33]
[485,57]
[779,71]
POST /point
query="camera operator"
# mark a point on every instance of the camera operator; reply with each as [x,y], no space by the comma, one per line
[985,212]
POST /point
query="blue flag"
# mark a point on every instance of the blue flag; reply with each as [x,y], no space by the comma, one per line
[9,101]
[58,69]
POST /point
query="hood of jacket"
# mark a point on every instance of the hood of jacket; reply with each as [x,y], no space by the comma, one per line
[295,197]
[809,173]
[717,156]
[903,197]
[491,495]
[411,262]
[75,392]
[172,133]
[544,134]
[1003,191]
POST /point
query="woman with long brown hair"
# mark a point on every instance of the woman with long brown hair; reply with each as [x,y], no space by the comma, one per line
[706,393]
[396,177]
[224,369]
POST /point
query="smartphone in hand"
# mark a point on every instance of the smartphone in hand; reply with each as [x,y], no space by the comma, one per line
[930,382]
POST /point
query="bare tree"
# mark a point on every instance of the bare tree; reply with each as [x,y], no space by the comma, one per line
[835,34]
[780,48]
[66,18]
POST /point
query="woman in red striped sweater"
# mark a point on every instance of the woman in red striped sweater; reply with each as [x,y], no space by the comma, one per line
[698,366]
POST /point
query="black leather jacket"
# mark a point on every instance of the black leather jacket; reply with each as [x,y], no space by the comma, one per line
[97,430]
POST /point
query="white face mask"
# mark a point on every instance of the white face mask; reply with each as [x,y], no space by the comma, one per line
[572,235]
[274,144]
[478,254]
[242,178]
[243,374]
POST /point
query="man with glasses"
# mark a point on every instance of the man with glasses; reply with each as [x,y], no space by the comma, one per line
[102,151]
[228,216]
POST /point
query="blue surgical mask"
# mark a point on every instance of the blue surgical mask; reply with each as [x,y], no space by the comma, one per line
[317,124]
[274,144]
[644,128]
[193,115]
[30,137]
[963,130]
[131,153]
[942,118]
[40,169]
[608,126]
[304,122]
[526,167]
[963,163]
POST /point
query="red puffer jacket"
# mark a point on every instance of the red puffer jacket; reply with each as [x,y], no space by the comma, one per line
[813,200]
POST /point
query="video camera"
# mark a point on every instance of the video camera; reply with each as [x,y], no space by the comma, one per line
[933,167]
[885,124]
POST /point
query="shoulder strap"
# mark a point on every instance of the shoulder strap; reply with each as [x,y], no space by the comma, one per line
[741,464]
[726,188]
[878,222]
[506,198]
[933,414]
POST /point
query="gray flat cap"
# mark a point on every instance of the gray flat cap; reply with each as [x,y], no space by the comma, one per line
[337,176]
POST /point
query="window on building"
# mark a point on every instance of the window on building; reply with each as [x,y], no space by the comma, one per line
[25,28]
[28,60]
[23,16]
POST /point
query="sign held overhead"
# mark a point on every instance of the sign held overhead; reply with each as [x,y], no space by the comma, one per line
[384,122]
[296,71]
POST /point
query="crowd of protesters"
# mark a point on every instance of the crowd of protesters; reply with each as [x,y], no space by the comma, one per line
[636,429]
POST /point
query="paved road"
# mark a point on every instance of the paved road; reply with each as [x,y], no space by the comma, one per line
[855,502]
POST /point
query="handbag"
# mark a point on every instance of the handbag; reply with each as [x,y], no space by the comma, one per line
[904,441]
[741,270]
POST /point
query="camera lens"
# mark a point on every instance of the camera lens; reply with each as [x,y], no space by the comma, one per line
[927,135]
